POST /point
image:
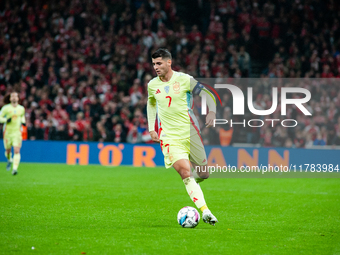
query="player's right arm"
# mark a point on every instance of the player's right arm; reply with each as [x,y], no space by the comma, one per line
[151,112]
[3,112]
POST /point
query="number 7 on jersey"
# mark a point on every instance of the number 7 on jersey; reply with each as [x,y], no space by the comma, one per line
[169,100]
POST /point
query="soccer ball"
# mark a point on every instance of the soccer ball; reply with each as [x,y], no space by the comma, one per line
[188,217]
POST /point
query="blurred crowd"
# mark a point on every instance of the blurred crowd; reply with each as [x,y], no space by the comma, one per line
[82,67]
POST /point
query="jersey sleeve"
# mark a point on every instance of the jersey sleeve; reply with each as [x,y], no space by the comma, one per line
[151,110]
[3,111]
[23,119]
[195,87]
[198,88]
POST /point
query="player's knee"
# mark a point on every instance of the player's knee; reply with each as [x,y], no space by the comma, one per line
[16,150]
[204,174]
[183,168]
[184,172]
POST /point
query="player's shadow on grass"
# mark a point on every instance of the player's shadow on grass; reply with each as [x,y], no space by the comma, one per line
[162,226]
[177,226]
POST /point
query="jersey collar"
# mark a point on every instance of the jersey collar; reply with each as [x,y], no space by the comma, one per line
[172,77]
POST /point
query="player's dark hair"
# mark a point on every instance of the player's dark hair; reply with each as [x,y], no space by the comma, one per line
[161,53]
[6,98]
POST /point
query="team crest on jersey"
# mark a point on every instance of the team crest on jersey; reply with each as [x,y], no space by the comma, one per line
[167,88]
[176,87]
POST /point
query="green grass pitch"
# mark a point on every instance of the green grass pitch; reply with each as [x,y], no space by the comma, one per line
[60,209]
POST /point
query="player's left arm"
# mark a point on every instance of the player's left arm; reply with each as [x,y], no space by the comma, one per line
[23,119]
[198,89]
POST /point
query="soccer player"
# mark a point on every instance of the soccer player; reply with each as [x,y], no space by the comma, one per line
[13,115]
[170,96]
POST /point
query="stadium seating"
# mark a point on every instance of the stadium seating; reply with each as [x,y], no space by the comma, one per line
[82,68]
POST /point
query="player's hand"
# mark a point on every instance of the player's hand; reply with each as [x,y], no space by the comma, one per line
[9,120]
[209,121]
[154,136]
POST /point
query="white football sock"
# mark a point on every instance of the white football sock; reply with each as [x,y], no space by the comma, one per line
[194,191]
[16,160]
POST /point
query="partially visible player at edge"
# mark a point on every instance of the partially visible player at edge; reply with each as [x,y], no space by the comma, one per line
[13,115]
[170,96]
